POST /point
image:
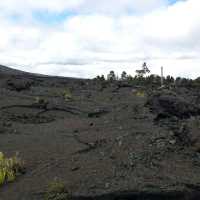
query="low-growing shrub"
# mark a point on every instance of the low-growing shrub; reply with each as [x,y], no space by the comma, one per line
[10,168]
[56,191]
[41,102]
[67,95]
[140,94]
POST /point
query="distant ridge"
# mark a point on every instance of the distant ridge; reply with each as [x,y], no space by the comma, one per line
[11,71]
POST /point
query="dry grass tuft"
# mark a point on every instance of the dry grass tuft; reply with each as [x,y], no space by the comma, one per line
[10,168]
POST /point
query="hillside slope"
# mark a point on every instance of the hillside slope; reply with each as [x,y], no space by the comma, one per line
[103,140]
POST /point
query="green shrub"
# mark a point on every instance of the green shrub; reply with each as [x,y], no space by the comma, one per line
[140,94]
[40,100]
[56,191]
[10,168]
[67,95]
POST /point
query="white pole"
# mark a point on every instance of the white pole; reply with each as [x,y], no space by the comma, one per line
[162,77]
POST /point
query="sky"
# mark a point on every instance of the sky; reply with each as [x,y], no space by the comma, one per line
[86,38]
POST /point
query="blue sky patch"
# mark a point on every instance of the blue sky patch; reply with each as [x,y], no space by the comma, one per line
[51,18]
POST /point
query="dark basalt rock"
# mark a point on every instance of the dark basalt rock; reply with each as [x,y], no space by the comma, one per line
[98,113]
[19,84]
[2,128]
[168,104]
[128,195]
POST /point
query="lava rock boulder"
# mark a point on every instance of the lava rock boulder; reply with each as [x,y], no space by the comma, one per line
[19,84]
[167,104]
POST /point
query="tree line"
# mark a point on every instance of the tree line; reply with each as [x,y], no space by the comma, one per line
[143,77]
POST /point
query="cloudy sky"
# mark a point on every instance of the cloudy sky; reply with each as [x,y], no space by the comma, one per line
[84,38]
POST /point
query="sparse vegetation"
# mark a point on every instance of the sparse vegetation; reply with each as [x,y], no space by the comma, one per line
[140,93]
[41,102]
[56,191]
[111,76]
[124,76]
[143,71]
[100,78]
[10,168]
[153,80]
[67,95]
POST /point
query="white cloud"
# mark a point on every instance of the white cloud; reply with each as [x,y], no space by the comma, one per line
[121,6]
[19,6]
[96,42]
[82,6]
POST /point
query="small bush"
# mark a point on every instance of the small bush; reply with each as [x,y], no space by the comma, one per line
[41,102]
[56,191]
[140,94]
[67,95]
[10,168]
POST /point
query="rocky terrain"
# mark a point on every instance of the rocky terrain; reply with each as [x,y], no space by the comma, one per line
[104,140]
